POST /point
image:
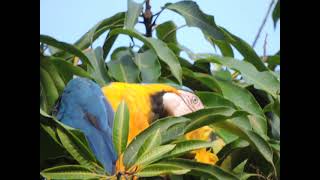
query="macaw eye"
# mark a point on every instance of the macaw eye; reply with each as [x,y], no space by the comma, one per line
[195,100]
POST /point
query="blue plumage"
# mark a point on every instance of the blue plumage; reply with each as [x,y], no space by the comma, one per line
[83,106]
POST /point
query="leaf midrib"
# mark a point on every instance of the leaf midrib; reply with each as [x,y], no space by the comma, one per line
[199,20]
[123,72]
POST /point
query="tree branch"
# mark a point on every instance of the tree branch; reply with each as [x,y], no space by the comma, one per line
[265,57]
[263,23]
[147,17]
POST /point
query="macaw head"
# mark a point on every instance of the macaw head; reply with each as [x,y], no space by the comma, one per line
[181,103]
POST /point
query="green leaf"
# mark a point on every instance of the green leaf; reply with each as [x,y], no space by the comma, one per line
[225,47]
[130,154]
[196,18]
[154,155]
[70,172]
[245,176]
[174,132]
[79,134]
[123,68]
[48,126]
[52,70]
[275,126]
[51,125]
[205,79]
[261,80]
[273,111]
[275,145]
[209,116]
[114,21]
[121,128]
[204,66]
[211,99]
[167,32]
[240,168]
[175,48]
[278,168]
[223,75]
[160,169]
[167,56]
[134,10]
[225,135]
[273,61]
[107,45]
[152,142]
[235,158]
[44,114]
[49,93]
[65,47]
[176,177]
[187,146]
[65,66]
[50,131]
[52,154]
[77,149]
[244,100]
[169,82]
[200,169]
[148,65]
[214,100]
[243,122]
[121,51]
[276,13]
[43,98]
[195,67]
[231,147]
[50,146]
[98,71]
[163,52]
[252,137]
[245,49]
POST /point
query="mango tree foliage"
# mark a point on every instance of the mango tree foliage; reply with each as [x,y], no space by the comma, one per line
[241,99]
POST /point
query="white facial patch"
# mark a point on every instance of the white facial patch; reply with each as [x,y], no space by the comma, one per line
[191,100]
[178,105]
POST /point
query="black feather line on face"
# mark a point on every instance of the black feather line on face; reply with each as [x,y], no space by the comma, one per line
[157,106]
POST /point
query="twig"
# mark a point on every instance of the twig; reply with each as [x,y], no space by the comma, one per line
[157,14]
[258,173]
[132,40]
[263,23]
[265,57]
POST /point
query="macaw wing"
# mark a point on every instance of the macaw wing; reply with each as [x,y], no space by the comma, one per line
[83,106]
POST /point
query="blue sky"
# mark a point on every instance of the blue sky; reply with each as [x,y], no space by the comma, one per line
[68,20]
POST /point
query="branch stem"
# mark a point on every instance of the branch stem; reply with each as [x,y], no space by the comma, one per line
[263,23]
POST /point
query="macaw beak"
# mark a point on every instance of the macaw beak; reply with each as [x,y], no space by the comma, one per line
[181,104]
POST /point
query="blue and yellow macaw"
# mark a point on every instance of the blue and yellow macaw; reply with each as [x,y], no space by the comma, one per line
[86,106]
